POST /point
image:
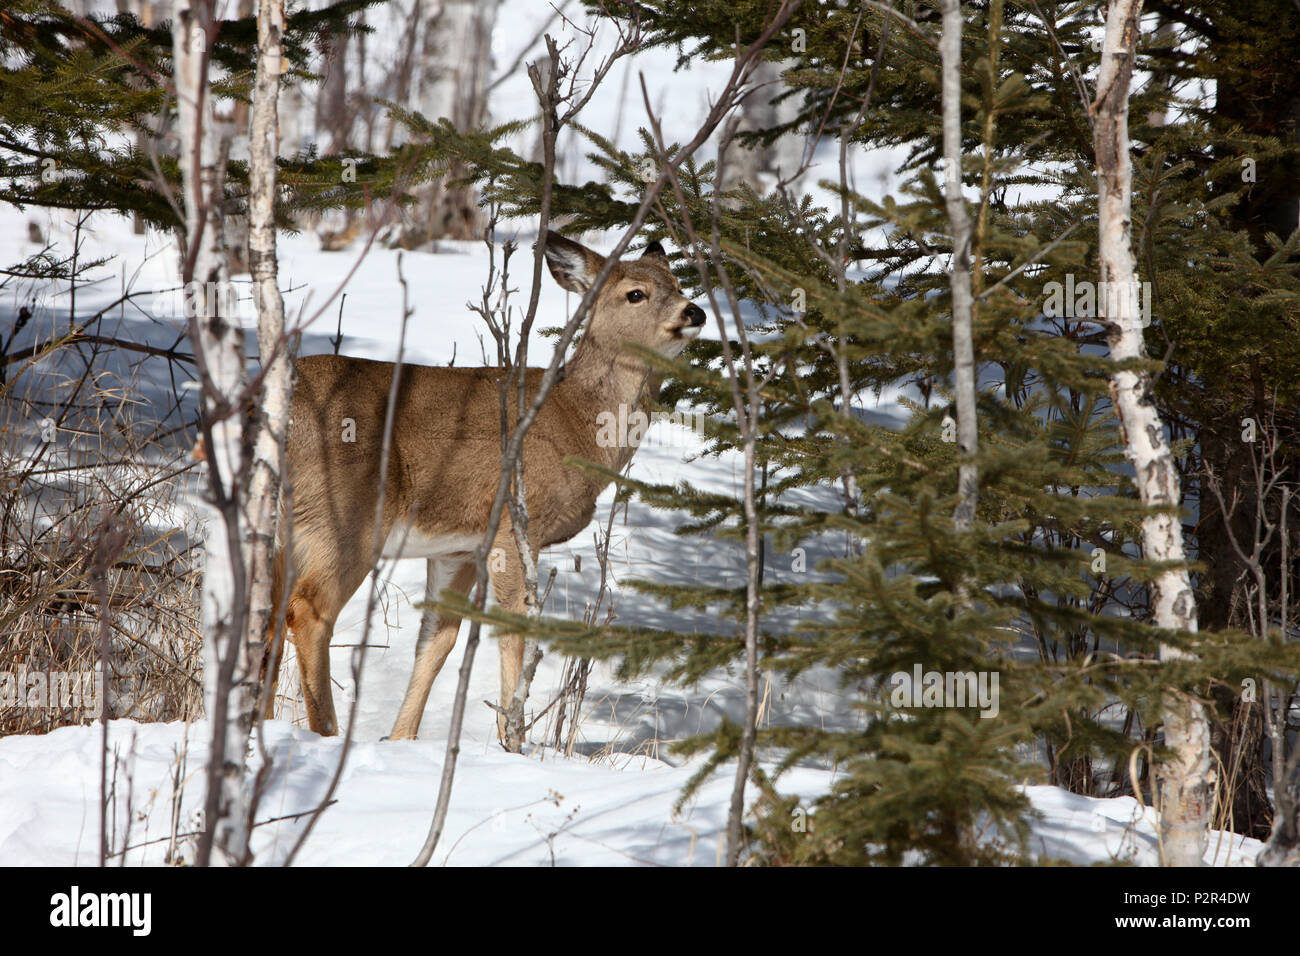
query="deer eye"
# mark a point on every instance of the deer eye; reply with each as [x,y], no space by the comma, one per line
[636,295]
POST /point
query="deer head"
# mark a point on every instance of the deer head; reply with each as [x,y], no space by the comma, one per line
[641,302]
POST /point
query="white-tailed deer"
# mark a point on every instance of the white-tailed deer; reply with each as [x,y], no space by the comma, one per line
[445,458]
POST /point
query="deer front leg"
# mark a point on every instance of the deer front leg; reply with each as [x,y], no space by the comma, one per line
[508,587]
[437,638]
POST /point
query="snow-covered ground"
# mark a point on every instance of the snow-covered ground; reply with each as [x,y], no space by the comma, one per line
[540,809]
[610,803]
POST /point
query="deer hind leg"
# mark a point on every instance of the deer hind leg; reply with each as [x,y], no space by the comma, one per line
[508,587]
[437,637]
[318,597]
[310,623]
[274,648]
[331,566]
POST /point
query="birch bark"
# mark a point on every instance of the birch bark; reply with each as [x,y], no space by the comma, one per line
[218,343]
[959,279]
[1185,792]
[267,466]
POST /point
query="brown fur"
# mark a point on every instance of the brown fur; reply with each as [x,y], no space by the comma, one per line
[444,463]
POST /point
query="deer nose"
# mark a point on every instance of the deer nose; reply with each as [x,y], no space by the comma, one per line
[694,315]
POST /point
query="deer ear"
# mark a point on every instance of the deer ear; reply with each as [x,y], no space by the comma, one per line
[654,251]
[573,265]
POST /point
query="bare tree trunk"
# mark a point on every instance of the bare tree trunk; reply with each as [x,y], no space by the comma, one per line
[959,278]
[1236,744]
[748,407]
[401,77]
[332,115]
[544,76]
[234,223]
[1185,792]
[289,114]
[336,228]
[753,568]
[147,13]
[218,344]
[761,167]
[746,391]
[366,108]
[1270,489]
[963,304]
[455,71]
[266,469]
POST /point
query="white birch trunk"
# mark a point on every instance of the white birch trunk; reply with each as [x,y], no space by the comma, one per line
[267,466]
[1185,791]
[963,348]
[218,343]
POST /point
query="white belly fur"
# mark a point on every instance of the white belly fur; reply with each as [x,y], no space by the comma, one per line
[405,541]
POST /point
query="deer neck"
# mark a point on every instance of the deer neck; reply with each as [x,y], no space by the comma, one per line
[605,378]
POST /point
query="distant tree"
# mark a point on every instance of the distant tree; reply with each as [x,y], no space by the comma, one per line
[768,107]
[454,70]
[71,85]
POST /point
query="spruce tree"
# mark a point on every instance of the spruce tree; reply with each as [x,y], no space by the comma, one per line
[75,92]
[1061,613]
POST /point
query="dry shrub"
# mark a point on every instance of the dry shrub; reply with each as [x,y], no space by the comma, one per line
[96,542]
